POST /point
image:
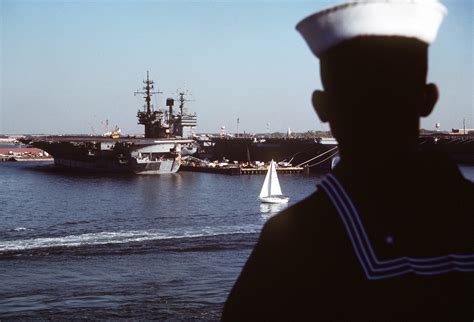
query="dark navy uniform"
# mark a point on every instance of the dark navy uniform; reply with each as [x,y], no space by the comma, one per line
[385,241]
[358,250]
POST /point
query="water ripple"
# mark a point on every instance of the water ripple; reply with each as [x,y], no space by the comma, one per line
[122,237]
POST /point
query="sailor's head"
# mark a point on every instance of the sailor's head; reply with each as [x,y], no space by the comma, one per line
[373,63]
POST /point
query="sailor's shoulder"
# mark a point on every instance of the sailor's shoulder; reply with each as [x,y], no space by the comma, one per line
[306,217]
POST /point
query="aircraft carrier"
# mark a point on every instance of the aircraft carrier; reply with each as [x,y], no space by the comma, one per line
[315,153]
[319,154]
[158,152]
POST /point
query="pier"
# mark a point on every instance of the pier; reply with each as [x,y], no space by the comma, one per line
[286,170]
[237,170]
[23,154]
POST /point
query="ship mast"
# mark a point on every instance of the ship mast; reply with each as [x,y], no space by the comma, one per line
[181,100]
[149,86]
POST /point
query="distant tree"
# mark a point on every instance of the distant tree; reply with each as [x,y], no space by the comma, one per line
[429,132]
[277,135]
[315,134]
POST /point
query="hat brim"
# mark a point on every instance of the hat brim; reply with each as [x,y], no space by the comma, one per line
[403,18]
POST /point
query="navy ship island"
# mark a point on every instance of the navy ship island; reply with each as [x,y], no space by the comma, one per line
[166,133]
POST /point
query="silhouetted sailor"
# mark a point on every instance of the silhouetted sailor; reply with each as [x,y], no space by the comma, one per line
[389,234]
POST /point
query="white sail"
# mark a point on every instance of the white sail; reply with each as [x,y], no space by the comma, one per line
[265,192]
[271,185]
[275,189]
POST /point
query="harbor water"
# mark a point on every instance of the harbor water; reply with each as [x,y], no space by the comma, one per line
[143,247]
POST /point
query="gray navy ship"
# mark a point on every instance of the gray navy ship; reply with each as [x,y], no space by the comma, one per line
[167,133]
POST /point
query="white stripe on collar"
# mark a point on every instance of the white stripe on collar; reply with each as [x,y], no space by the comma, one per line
[375,268]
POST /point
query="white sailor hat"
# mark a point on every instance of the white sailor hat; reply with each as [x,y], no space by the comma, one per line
[419,19]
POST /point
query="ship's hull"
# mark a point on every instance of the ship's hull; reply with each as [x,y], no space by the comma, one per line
[140,156]
[298,152]
[460,148]
[92,165]
[156,167]
[319,154]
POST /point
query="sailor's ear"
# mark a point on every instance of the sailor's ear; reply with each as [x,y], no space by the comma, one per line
[430,97]
[320,105]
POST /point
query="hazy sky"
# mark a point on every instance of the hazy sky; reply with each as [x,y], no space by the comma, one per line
[66,66]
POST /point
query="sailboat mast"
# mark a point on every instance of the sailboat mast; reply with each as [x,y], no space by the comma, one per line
[270,182]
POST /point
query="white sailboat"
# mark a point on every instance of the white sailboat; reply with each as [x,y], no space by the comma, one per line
[271,191]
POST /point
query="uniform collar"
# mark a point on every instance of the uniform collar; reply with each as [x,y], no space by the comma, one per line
[364,226]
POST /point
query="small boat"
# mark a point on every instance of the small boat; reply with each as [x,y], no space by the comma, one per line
[271,191]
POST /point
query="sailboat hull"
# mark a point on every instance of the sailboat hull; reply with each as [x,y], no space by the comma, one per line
[274,199]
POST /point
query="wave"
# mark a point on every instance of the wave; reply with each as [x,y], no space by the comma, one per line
[21,229]
[122,237]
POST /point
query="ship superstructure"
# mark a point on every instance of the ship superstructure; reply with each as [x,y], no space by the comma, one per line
[158,152]
[165,123]
[185,122]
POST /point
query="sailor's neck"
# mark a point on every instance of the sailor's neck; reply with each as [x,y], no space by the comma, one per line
[376,168]
[398,169]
